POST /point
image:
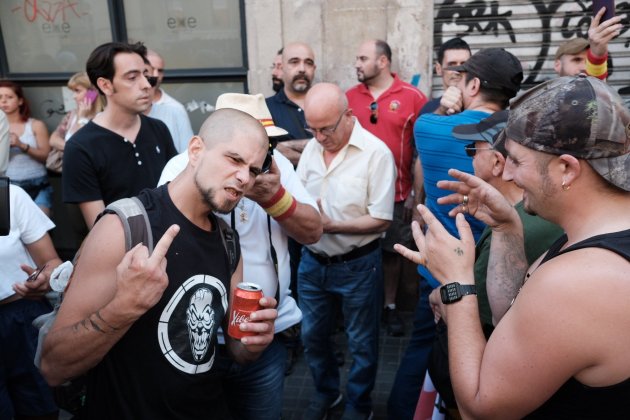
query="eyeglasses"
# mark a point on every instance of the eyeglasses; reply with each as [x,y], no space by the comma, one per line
[374,112]
[471,150]
[326,131]
[152,80]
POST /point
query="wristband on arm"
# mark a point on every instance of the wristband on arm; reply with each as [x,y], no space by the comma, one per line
[597,66]
[281,206]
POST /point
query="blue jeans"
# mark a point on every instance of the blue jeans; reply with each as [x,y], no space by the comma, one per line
[23,391]
[255,390]
[39,189]
[403,397]
[359,283]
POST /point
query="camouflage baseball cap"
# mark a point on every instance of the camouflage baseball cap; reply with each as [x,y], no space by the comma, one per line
[576,115]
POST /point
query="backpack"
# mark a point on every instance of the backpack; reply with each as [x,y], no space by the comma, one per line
[137,228]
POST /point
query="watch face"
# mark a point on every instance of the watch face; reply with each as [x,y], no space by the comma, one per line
[450,293]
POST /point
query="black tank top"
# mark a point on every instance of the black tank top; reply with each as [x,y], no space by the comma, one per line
[162,368]
[575,400]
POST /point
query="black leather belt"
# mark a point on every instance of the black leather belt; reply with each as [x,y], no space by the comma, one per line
[349,256]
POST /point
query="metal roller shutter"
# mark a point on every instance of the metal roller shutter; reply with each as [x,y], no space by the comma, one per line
[532,31]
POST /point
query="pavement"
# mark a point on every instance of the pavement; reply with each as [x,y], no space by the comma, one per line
[298,387]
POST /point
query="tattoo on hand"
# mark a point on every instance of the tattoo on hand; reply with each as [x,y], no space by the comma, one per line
[459,251]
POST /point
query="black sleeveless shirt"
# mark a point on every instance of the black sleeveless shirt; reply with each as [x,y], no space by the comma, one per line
[575,400]
[162,368]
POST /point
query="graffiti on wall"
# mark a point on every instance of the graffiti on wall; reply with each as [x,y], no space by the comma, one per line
[488,18]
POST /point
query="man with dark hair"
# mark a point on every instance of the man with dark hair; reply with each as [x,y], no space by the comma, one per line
[276,72]
[489,78]
[453,52]
[144,331]
[119,152]
[560,351]
[387,107]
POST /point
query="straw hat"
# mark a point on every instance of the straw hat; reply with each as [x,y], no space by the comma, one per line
[255,106]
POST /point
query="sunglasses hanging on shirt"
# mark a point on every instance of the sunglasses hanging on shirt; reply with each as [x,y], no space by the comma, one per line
[374,112]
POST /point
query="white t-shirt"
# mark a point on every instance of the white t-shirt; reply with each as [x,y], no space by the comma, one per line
[28,224]
[254,238]
[174,115]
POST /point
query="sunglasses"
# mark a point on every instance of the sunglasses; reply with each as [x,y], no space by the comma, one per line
[152,80]
[374,112]
[471,150]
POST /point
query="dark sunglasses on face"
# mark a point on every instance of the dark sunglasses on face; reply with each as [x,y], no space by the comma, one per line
[152,80]
[471,150]
[374,112]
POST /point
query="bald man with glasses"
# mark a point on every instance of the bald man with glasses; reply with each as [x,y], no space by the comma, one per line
[351,173]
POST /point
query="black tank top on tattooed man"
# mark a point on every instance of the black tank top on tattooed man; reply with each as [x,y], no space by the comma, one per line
[575,400]
[162,368]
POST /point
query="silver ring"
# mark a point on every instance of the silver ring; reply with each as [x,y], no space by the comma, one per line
[465,200]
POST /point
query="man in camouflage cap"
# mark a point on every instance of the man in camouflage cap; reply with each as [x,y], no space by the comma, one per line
[560,351]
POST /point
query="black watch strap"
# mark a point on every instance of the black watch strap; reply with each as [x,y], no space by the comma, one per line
[454,292]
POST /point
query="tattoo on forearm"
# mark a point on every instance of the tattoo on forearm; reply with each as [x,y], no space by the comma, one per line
[91,324]
[98,314]
[96,326]
[507,266]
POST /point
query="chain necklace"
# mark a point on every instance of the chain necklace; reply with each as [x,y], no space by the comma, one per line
[244,217]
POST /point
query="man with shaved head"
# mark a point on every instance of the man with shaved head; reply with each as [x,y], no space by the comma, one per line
[286,106]
[352,174]
[143,331]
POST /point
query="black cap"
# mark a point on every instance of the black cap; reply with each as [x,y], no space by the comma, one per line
[496,68]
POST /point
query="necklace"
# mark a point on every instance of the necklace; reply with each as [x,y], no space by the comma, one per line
[243,216]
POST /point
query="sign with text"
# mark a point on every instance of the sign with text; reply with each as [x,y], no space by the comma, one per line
[189,35]
[60,34]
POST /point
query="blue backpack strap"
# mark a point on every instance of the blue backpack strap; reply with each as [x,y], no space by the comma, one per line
[135,222]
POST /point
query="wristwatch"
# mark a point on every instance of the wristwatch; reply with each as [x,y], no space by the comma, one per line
[453,292]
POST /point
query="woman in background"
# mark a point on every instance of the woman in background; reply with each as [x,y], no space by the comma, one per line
[89,103]
[28,138]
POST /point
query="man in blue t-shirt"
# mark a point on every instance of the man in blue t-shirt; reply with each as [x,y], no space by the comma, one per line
[491,77]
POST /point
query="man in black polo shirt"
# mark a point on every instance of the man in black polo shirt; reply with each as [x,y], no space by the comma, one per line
[120,152]
[298,67]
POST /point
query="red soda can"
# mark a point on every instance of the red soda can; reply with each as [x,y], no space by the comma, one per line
[246,297]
